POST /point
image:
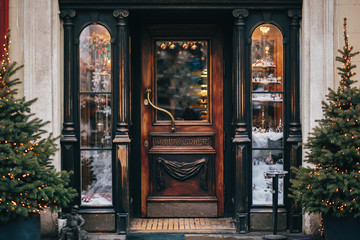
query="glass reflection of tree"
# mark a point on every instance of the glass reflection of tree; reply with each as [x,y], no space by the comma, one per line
[95,118]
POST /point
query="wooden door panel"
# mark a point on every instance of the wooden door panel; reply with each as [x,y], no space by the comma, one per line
[164,183]
[182,172]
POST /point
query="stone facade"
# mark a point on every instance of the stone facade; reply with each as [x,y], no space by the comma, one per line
[37,43]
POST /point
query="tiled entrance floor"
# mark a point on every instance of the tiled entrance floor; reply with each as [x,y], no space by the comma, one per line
[183,225]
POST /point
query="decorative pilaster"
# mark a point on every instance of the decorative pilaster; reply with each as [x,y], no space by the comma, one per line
[295,126]
[239,70]
[241,139]
[122,126]
[68,141]
[122,140]
[295,135]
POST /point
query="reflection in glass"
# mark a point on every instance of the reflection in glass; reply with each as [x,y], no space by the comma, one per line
[182,79]
[267,110]
[96,178]
[95,127]
[262,161]
[95,116]
[267,59]
[95,59]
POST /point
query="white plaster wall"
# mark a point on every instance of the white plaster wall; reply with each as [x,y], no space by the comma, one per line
[317,71]
[35,35]
[322,36]
[349,9]
[16,38]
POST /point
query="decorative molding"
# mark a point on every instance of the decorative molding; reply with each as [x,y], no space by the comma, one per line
[182,141]
[182,171]
[240,13]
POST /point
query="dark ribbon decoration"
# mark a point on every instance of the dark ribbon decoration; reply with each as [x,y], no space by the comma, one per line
[182,171]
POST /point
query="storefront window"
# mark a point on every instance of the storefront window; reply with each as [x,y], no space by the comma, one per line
[95,116]
[267,111]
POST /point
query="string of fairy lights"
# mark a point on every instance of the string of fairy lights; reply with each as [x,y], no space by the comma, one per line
[19,199]
[338,199]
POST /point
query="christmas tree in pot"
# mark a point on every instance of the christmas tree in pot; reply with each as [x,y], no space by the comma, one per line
[29,182]
[332,185]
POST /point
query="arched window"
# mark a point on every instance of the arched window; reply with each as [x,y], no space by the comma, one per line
[95,116]
[267,111]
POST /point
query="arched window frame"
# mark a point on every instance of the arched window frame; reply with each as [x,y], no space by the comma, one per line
[267,110]
[96,149]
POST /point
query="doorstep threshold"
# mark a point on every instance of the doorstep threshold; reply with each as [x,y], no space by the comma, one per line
[183,225]
[198,236]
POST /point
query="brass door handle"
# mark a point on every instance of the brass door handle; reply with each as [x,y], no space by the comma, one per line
[172,129]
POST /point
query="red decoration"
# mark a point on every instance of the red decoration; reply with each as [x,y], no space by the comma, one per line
[4,23]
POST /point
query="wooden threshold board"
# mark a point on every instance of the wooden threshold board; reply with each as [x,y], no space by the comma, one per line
[183,225]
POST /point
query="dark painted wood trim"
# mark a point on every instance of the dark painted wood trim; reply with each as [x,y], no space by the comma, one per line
[295,126]
[295,135]
[122,124]
[122,140]
[69,142]
[68,126]
[181,4]
[241,177]
[241,138]
[239,70]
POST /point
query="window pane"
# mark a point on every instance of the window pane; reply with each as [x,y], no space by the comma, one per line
[95,120]
[95,116]
[262,161]
[267,59]
[267,110]
[96,178]
[267,123]
[182,79]
[95,59]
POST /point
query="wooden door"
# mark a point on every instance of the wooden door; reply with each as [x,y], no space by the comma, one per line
[182,166]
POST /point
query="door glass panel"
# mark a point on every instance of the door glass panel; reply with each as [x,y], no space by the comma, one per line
[267,110]
[182,79]
[95,116]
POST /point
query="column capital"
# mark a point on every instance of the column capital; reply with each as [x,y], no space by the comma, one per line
[68,13]
[295,13]
[240,13]
[121,13]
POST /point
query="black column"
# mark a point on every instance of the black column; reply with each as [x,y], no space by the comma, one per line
[122,140]
[295,135]
[68,141]
[241,139]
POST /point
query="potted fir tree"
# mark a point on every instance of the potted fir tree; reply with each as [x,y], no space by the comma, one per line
[332,185]
[28,181]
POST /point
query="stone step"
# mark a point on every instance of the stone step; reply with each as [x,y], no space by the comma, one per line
[177,236]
